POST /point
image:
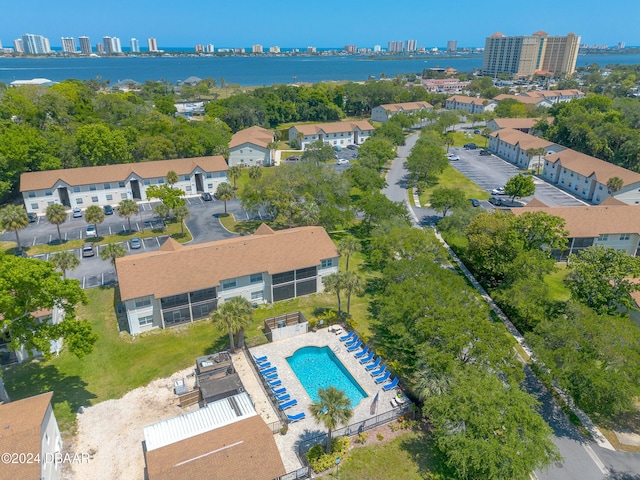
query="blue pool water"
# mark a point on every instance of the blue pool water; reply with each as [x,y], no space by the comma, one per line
[318,368]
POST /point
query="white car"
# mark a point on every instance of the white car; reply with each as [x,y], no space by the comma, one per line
[342,161]
[454,157]
[90,231]
[77,213]
[498,191]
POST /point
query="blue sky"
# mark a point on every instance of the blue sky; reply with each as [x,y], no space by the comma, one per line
[328,23]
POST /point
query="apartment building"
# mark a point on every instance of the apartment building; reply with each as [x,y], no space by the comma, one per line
[383,113]
[110,184]
[334,133]
[469,104]
[250,147]
[181,283]
[85,45]
[512,145]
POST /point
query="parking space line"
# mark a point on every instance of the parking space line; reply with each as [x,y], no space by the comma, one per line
[34,241]
[158,241]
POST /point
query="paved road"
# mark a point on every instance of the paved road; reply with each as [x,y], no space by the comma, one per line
[582,458]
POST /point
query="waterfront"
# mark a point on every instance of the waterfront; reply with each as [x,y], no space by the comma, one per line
[249,70]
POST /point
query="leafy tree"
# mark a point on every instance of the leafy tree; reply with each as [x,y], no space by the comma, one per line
[57,215]
[14,217]
[365,178]
[615,184]
[541,231]
[348,247]
[233,315]
[307,213]
[519,186]
[379,148]
[181,212]
[602,278]
[318,152]
[444,199]
[97,144]
[225,193]
[94,214]
[255,172]
[127,208]
[334,283]
[377,207]
[233,173]
[28,285]
[171,197]
[112,251]
[166,105]
[333,408]
[397,242]
[448,141]
[162,211]
[172,178]
[66,260]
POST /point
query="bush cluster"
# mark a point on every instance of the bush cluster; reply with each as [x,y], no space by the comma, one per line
[321,461]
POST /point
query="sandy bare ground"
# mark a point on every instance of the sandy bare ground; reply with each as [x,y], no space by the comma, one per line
[112,433]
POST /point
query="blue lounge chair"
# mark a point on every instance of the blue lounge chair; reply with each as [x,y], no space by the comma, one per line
[362,353]
[379,371]
[353,348]
[264,365]
[271,376]
[374,364]
[384,378]
[260,359]
[295,417]
[289,404]
[390,386]
[348,336]
[268,370]
[278,391]
[274,383]
[283,398]
[368,358]
[353,341]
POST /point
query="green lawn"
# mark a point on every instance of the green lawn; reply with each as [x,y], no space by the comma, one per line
[460,138]
[452,178]
[555,281]
[407,457]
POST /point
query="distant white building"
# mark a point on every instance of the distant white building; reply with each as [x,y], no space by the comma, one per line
[68,44]
[135,45]
[85,45]
[334,133]
[250,147]
[469,104]
[383,113]
[512,145]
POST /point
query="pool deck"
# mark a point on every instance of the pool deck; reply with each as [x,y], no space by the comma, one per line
[277,352]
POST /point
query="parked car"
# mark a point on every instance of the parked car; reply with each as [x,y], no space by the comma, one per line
[498,191]
[108,210]
[484,152]
[87,250]
[342,161]
[32,216]
[470,146]
[495,201]
[90,231]
[20,253]
[477,132]
[352,147]
[454,157]
[475,202]
[135,243]
[206,196]
[77,213]
[337,148]
[292,158]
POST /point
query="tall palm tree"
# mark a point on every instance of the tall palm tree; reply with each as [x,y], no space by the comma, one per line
[225,193]
[14,217]
[352,283]
[536,152]
[66,260]
[272,146]
[172,178]
[429,383]
[181,213]
[111,251]
[614,184]
[57,215]
[94,214]
[347,247]
[127,208]
[448,141]
[333,408]
[255,173]
[308,213]
[334,283]
[233,173]
[233,315]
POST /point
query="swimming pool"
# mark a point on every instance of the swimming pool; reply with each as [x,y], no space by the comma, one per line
[318,367]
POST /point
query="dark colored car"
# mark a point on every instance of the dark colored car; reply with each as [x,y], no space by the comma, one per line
[206,196]
[108,210]
[475,202]
[470,146]
[352,147]
[477,132]
[495,201]
[20,253]
[292,158]
[484,152]
[32,216]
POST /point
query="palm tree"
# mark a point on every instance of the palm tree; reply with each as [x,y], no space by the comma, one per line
[127,208]
[352,283]
[225,193]
[536,152]
[614,184]
[485,133]
[429,383]
[13,217]
[255,173]
[448,141]
[65,261]
[57,215]
[334,283]
[347,247]
[181,213]
[94,214]
[308,213]
[172,178]
[272,146]
[333,408]
[111,251]
[233,315]
[233,173]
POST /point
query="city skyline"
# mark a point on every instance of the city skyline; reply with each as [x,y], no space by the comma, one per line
[226,26]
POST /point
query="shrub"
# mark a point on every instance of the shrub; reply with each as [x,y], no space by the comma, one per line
[380,436]
[321,461]
[362,437]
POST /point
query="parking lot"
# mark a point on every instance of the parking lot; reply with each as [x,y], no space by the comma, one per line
[490,172]
[203,223]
